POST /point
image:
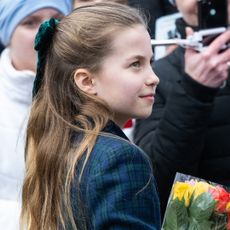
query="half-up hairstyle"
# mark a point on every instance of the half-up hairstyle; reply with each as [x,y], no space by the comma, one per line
[61,111]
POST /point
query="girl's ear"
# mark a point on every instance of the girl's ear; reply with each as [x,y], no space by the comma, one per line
[85,81]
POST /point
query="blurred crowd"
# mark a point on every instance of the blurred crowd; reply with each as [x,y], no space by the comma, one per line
[187,130]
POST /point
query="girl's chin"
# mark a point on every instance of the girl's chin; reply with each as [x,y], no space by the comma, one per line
[144,116]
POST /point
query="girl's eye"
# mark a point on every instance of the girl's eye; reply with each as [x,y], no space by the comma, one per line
[136,64]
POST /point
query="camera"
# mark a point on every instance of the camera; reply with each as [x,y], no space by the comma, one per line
[212,14]
[212,21]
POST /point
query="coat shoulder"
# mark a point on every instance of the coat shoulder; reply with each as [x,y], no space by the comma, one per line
[111,149]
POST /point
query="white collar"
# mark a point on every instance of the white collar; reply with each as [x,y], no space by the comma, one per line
[16,84]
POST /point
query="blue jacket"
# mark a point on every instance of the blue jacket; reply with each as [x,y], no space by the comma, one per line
[118,189]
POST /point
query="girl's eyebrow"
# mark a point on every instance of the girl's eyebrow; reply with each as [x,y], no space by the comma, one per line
[140,57]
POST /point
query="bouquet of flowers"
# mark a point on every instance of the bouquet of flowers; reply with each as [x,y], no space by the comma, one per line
[196,204]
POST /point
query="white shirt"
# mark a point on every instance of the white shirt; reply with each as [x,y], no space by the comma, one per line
[15,100]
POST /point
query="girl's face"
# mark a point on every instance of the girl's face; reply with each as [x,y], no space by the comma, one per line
[22,50]
[126,80]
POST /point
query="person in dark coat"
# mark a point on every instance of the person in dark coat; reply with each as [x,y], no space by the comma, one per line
[189,128]
[153,9]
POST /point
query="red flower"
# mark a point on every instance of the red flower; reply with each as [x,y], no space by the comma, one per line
[222,196]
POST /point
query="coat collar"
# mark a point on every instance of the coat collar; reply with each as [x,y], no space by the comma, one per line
[114,129]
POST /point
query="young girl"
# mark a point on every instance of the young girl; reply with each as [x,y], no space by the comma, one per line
[82,171]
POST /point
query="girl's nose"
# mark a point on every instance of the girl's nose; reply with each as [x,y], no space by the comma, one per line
[152,79]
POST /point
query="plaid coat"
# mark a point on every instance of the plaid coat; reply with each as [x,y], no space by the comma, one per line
[118,189]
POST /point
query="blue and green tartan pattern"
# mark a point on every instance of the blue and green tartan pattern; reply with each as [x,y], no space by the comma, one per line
[118,189]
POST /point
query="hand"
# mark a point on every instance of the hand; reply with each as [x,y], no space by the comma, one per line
[209,67]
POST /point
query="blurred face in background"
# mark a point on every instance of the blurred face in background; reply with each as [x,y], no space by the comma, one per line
[21,45]
[188,8]
[78,3]
[189,11]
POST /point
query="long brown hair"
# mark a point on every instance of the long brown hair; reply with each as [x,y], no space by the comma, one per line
[82,40]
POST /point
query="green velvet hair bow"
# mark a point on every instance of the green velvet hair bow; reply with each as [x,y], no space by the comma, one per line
[42,42]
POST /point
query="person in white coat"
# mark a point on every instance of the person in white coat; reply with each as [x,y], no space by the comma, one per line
[19,23]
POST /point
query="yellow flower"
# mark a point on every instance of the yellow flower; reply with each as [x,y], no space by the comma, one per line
[201,187]
[183,190]
[228,206]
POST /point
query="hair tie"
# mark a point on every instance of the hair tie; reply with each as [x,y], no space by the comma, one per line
[42,42]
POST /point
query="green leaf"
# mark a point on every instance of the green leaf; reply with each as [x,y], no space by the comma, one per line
[195,225]
[202,207]
[220,221]
[176,216]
